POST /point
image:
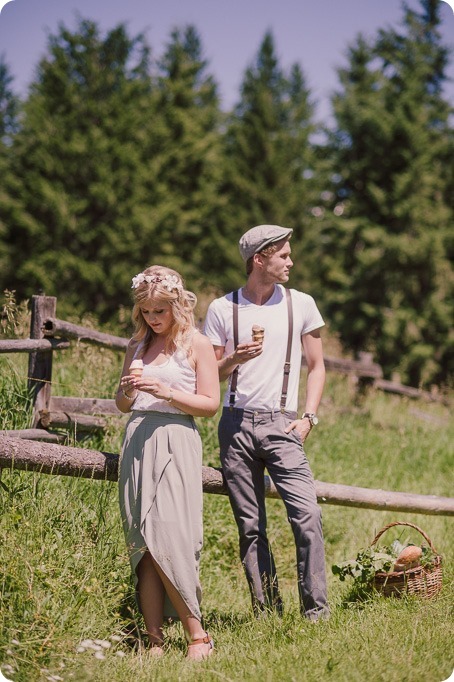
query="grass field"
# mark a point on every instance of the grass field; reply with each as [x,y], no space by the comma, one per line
[65,573]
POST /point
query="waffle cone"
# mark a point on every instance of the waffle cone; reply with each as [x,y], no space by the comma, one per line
[258,333]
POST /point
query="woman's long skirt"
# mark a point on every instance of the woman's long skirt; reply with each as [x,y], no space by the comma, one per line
[160,491]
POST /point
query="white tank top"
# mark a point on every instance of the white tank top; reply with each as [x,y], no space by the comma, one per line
[177,373]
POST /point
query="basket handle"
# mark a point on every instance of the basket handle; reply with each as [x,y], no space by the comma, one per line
[403,523]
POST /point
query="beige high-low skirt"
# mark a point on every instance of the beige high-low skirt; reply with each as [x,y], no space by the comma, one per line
[160,491]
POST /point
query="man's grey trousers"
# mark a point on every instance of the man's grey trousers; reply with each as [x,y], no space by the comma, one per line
[251,441]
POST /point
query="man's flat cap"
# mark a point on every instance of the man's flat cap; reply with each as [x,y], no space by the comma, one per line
[258,238]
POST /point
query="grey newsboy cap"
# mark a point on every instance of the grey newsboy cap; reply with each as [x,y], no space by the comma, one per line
[261,236]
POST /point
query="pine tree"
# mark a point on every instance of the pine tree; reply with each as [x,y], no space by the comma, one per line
[271,161]
[185,160]
[9,105]
[384,257]
[77,207]
[9,122]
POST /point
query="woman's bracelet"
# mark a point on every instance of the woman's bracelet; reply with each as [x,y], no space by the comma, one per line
[170,398]
[129,397]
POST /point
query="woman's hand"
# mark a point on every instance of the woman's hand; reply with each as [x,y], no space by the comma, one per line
[127,384]
[153,386]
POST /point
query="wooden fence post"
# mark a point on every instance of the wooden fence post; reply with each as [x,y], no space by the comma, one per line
[40,362]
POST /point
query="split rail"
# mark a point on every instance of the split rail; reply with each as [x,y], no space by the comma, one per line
[52,414]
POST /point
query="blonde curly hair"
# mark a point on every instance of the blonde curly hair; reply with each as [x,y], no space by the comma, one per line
[160,284]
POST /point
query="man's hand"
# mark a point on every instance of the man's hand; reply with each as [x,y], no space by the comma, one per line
[301,426]
[246,351]
[242,353]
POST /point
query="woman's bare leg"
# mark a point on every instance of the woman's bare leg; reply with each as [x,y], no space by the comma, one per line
[151,594]
[192,626]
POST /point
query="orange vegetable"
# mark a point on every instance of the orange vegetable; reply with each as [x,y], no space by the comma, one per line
[408,558]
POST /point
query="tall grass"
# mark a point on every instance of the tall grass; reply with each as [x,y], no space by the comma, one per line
[64,571]
[16,398]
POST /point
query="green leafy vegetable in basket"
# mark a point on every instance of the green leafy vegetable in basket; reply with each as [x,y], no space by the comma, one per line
[365,566]
[372,560]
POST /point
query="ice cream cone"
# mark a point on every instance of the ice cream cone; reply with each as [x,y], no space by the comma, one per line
[258,333]
[136,368]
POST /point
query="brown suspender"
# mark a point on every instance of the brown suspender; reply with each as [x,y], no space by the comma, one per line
[234,380]
[289,350]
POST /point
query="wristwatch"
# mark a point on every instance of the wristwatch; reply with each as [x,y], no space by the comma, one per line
[312,418]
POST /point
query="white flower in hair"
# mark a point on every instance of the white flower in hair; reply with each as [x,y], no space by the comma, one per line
[137,280]
[169,282]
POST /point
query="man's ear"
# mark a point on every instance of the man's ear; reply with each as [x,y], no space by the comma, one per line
[258,260]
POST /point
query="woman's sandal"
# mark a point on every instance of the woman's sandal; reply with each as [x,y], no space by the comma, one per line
[200,654]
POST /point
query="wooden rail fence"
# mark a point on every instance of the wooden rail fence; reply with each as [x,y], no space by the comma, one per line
[51,413]
[48,334]
[48,458]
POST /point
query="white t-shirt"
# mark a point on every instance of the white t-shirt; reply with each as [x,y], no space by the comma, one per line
[260,380]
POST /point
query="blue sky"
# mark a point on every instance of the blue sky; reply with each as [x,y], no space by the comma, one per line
[314,33]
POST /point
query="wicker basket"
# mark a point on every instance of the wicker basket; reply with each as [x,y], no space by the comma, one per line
[422,581]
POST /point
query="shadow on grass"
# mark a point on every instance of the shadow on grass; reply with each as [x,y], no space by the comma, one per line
[222,619]
[128,611]
[136,638]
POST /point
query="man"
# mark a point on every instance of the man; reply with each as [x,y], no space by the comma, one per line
[259,426]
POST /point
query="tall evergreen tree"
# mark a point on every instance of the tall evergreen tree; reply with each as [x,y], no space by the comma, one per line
[9,104]
[185,160]
[384,250]
[77,207]
[270,158]
[9,122]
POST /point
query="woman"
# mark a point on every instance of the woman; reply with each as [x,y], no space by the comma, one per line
[160,481]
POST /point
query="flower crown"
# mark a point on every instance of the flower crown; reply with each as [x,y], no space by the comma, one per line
[169,282]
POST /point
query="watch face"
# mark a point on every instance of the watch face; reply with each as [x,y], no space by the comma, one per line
[314,420]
